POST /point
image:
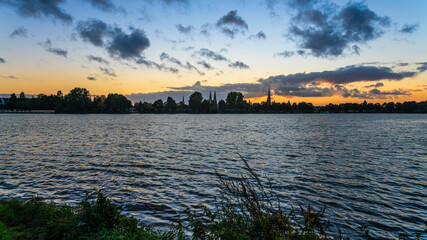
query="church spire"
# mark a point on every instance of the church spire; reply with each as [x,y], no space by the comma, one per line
[269,97]
[210,96]
[214,97]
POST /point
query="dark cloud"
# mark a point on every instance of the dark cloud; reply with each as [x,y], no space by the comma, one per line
[206,65]
[153,96]
[184,30]
[238,64]
[232,24]
[204,30]
[328,32]
[91,78]
[188,48]
[2,60]
[105,5]
[259,35]
[127,46]
[375,85]
[108,71]
[9,77]
[249,89]
[343,75]
[19,32]
[187,65]
[58,51]
[285,54]
[152,64]
[39,8]
[93,31]
[175,1]
[231,18]
[423,67]
[204,52]
[409,28]
[300,85]
[97,59]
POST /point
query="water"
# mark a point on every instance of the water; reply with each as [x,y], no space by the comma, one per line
[367,169]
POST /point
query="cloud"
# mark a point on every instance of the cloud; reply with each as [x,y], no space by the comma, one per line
[175,1]
[204,30]
[39,8]
[206,65]
[259,35]
[184,30]
[387,93]
[238,64]
[19,32]
[9,77]
[91,78]
[421,68]
[327,31]
[108,71]
[187,65]
[93,31]
[127,46]
[153,96]
[375,85]
[105,5]
[232,24]
[58,51]
[285,54]
[314,84]
[151,64]
[97,59]
[2,60]
[345,75]
[409,28]
[204,52]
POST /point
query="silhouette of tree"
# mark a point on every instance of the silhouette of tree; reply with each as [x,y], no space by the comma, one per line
[170,105]
[78,101]
[117,103]
[158,106]
[195,101]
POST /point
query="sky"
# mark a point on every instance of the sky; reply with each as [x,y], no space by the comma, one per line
[318,51]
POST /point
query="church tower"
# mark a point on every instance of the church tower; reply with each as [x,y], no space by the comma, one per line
[215,98]
[269,97]
[210,96]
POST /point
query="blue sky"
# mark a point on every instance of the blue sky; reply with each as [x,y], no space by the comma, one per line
[146,49]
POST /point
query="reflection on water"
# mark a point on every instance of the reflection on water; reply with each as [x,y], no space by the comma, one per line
[366,169]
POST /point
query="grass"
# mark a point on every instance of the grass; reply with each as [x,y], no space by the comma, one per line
[245,209]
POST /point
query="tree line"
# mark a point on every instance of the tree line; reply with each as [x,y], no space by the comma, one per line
[79,100]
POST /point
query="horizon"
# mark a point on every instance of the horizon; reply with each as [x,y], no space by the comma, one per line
[313,51]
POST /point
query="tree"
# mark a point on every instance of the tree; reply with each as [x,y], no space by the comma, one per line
[221,105]
[117,103]
[77,101]
[11,103]
[158,106]
[170,105]
[195,101]
[233,98]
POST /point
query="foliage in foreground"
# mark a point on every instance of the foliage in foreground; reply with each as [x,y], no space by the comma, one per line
[246,210]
